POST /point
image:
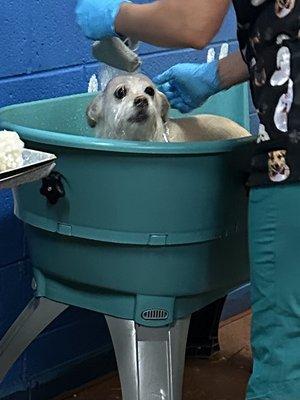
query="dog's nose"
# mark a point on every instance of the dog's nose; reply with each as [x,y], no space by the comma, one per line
[141,102]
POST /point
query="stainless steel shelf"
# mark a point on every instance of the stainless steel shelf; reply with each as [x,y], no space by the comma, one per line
[36,165]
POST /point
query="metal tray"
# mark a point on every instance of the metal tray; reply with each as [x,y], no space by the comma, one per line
[36,165]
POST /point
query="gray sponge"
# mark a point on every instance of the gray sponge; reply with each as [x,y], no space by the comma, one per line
[118,53]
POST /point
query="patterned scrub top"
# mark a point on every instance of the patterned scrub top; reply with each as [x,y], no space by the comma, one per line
[269,38]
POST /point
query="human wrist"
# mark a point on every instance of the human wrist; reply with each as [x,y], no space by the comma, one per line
[213,77]
[225,74]
[232,70]
[122,16]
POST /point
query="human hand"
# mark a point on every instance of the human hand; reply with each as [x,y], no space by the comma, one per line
[188,86]
[97,17]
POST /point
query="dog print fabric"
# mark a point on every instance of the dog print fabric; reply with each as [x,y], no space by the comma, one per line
[269,38]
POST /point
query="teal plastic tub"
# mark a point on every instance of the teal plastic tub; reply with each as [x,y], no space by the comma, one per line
[145,231]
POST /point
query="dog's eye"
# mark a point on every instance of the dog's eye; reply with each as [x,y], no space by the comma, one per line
[121,92]
[150,91]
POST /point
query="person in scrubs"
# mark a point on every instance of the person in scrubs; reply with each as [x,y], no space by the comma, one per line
[269,57]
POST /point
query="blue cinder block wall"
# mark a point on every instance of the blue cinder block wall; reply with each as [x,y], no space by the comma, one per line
[42,55]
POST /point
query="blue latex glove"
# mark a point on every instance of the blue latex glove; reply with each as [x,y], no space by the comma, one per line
[97,17]
[188,86]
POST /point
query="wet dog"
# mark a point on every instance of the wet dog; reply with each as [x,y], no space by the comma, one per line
[132,108]
[129,108]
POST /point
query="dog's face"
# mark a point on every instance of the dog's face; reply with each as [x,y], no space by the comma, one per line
[260,76]
[284,7]
[129,108]
[278,168]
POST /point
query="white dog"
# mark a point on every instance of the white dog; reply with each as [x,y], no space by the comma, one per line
[131,108]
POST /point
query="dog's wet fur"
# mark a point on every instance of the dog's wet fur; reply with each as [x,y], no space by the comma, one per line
[132,108]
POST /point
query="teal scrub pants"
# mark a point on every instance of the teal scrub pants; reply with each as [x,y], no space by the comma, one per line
[274,237]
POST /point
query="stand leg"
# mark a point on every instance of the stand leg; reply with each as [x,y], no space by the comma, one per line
[37,315]
[203,340]
[150,360]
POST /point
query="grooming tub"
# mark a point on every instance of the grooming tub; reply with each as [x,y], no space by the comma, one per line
[146,233]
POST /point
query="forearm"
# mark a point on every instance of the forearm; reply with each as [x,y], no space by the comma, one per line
[232,70]
[172,23]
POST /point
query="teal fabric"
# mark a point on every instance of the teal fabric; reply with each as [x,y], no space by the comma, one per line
[274,234]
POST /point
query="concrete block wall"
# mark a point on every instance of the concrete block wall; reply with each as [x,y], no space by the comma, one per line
[42,55]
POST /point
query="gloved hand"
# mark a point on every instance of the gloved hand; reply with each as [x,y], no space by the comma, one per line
[188,86]
[97,17]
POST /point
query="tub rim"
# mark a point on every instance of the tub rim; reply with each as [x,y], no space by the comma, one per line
[59,139]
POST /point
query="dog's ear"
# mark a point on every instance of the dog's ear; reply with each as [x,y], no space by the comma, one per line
[94,111]
[165,106]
